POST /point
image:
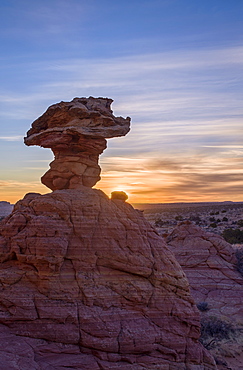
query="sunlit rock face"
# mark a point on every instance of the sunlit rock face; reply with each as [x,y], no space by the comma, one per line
[86,282]
[76,132]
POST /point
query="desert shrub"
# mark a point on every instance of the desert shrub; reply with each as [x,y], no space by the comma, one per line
[159,223]
[225,219]
[221,361]
[212,219]
[203,306]
[240,223]
[239,259]
[233,236]
[214,329]
[196,219]
[214,225]
[179,218]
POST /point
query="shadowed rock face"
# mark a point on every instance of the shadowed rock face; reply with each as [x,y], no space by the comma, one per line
[86,282]
[76,132]
[217,287]
[210,266]
[80,269]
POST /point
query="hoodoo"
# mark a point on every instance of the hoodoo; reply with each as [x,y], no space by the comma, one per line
[76,132]
[86,282]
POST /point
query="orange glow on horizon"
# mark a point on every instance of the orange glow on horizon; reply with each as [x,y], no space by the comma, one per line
[153,181]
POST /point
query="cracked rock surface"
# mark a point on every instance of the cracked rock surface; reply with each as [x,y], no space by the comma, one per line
[217,287]
[87,283]
[210,266]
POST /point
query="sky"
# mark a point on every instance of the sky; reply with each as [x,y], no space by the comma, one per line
[174,66]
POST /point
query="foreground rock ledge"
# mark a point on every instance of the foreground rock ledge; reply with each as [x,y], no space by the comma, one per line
[86,283]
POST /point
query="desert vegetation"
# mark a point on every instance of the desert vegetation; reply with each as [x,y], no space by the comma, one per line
[203,306]
[224,340]
[214,329]
[233,236]
[225,218]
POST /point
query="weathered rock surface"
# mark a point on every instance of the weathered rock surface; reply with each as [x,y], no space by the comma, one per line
[217,287]
[76,132]
[86,283]
[210,266]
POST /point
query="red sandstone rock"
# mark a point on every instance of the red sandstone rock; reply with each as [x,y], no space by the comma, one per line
[90,276]
[121,195]
[86,282]
[76,132]
[210,266]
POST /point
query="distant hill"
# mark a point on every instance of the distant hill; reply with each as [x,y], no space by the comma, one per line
[157,207]
[5,208]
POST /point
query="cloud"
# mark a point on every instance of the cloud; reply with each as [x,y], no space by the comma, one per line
[132,66]
[18,184]
[174,179]
[186,114]
[14,190]
[45,19]
[12,138]
[176,99]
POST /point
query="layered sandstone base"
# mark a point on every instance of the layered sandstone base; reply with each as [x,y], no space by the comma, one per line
[86,283]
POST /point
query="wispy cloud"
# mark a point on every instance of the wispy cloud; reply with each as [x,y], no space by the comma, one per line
[12,138]
[15,190]
[186,118]
[175,179]
[43,18]
[145,84]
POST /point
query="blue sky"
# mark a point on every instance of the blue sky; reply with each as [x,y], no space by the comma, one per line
[175,67]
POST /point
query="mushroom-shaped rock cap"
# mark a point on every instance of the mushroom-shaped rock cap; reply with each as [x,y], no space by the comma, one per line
[82,116]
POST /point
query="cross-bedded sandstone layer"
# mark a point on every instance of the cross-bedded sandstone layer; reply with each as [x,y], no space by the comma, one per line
[210,266]
[91,275]
[76,132]
[217,287]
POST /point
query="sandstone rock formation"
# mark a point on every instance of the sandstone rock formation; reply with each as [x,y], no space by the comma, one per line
[210,266]
[217,287]
[76,132]
[82,270]
[86,282]
[121,195]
